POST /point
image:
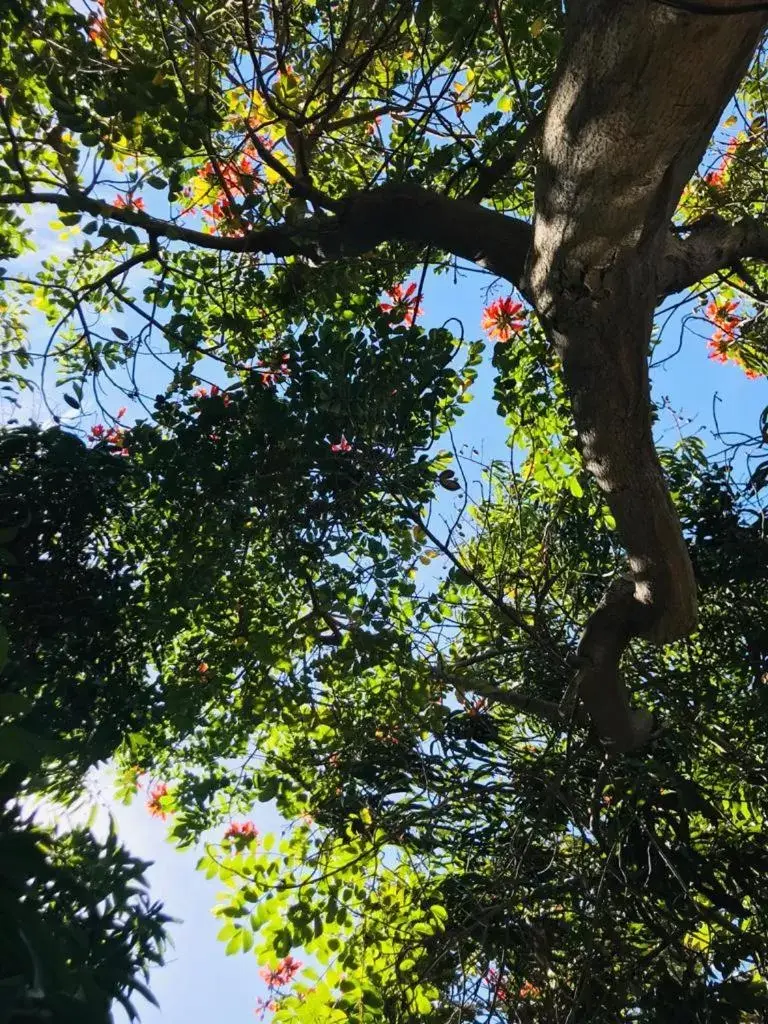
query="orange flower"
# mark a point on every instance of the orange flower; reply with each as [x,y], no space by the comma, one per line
[130,202]
[722,316]
[503,318]
[405,305]
[154,804]
[529,990]
[716,178]
[97,25]
[241,830]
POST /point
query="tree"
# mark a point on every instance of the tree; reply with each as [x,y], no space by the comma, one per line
[78,928]
[270,521]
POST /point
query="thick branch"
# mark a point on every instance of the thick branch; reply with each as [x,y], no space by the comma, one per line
[364,220]
[711,244]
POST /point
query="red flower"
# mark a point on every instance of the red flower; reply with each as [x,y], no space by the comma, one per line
[274,373]
[716,178]
[97,25]
[721,315]
[404,306]
[154,805]
[718,346]
[97,29]
[131,202]
[496,984]
[202,668]
[283,974]
[342,446]
[114,437]
[235,179]
[241,829]
[502,319]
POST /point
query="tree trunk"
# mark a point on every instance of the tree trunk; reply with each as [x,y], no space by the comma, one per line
[639,91]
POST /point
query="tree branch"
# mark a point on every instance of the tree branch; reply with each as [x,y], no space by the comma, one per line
[396,212]
[491,174]
[711,244]
[536,706]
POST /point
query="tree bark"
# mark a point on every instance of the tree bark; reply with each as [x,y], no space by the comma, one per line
[639,90]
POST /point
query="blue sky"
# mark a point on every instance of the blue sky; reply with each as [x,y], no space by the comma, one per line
[199,984]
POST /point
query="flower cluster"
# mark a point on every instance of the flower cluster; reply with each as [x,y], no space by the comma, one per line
[97,25]
[721,345]
[497,984]
[113,436]
[528,991]
[405,305]
[128,202]
[500,990]
[229,182]
[503,318]
[214,392]
[275,371]
[154,804]
[241,830]
[283,974]
[716,177]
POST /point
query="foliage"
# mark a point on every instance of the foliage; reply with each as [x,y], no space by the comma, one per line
[267,583]
[78,928]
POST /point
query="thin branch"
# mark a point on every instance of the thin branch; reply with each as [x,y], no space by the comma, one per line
[536,706]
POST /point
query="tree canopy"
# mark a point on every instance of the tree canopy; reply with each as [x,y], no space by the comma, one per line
[513,714]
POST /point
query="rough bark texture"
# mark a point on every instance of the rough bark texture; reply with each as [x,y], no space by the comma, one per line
[639,91]
[711,244]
